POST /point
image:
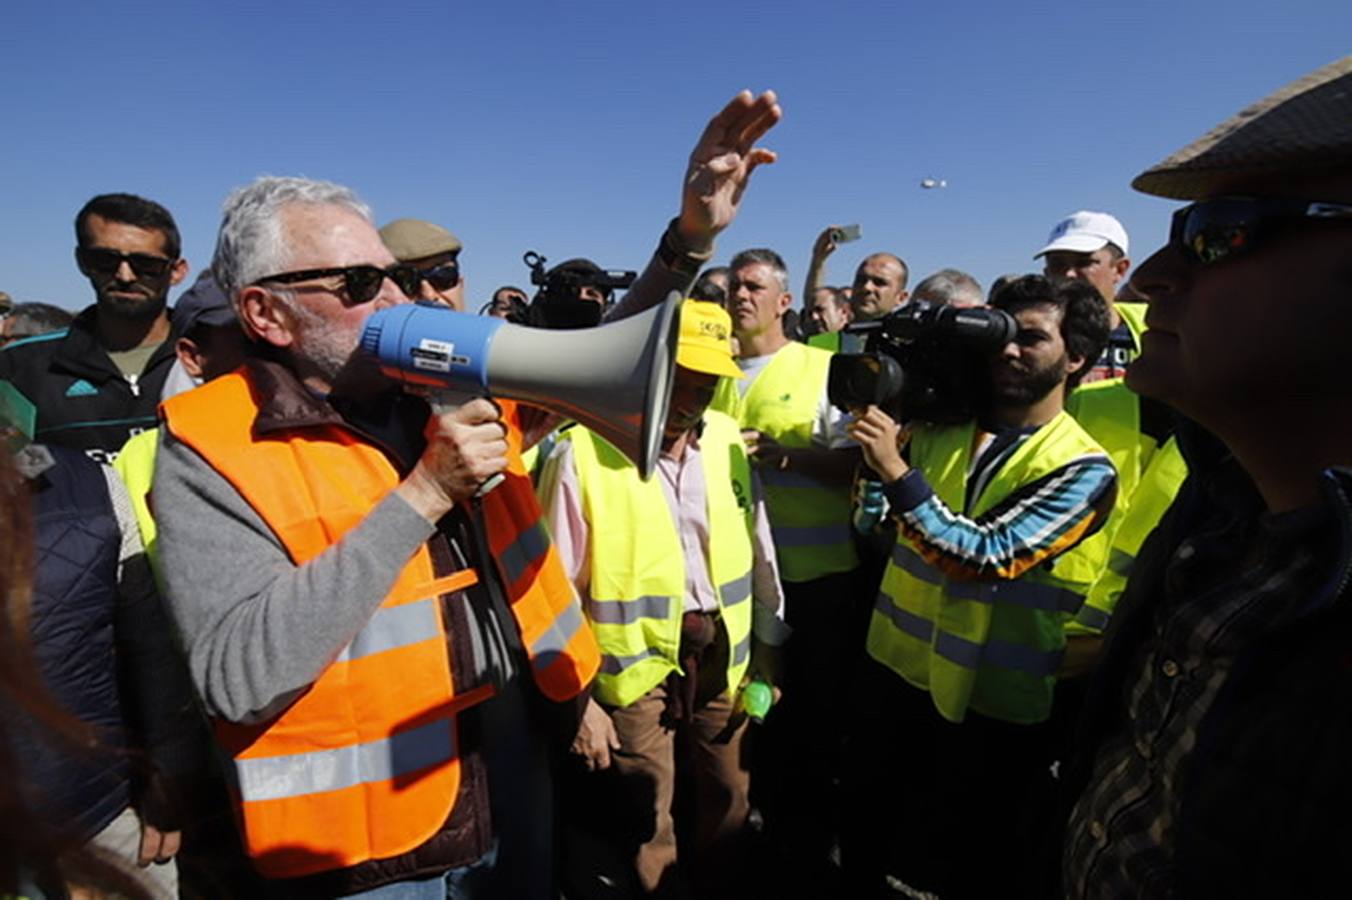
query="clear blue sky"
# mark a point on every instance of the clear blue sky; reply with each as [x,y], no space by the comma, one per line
[563,127]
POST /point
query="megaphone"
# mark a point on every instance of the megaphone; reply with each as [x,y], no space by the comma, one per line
[615,379]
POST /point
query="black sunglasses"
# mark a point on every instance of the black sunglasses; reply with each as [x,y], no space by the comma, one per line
[1212,230]
[105,262]
[360,283]
[442,277]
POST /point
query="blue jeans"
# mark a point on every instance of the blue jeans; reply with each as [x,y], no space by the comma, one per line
[471,882]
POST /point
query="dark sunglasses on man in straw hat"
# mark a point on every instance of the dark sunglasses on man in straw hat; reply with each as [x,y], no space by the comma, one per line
[1212,230]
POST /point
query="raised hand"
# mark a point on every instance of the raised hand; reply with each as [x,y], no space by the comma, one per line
[825,244]
[721,164]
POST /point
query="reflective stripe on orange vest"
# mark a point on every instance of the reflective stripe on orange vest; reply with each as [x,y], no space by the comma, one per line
[363,765]
[275,777]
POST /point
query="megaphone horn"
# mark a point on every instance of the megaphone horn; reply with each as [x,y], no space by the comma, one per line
[615,379]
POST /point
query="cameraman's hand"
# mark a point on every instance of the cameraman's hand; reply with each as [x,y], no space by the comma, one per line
[881,439]
[596,738]
[825,244]
[465,447]
[721,164]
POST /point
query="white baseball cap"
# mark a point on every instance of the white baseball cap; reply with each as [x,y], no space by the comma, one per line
[1085,232]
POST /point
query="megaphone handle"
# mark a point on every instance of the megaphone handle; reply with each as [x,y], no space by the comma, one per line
[489,484]
[443,402]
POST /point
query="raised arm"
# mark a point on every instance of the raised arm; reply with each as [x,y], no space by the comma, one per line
[715,181]
[823,247]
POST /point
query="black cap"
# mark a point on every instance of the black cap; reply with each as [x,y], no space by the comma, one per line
[203,304]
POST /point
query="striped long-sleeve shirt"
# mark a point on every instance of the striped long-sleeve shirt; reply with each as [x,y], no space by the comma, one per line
[1033,524]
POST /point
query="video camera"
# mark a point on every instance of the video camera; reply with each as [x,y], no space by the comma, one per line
[558,303]
[922,362]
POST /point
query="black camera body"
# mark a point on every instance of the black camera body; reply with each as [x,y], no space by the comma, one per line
[558,303]
[922,362]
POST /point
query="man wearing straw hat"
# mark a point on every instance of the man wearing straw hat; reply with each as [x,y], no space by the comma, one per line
[1214,749]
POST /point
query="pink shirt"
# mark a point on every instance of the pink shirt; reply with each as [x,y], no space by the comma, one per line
[683,486]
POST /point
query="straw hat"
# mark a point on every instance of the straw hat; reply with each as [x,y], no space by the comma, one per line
[1303,129]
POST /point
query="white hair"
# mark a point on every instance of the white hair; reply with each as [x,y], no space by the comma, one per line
[250,244]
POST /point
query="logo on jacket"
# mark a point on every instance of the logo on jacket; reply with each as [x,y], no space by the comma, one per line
[739,493]
[81,388]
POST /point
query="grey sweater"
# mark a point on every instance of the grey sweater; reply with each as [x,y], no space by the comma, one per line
[258,629]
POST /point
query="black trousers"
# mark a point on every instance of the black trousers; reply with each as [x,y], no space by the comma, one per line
[949,808]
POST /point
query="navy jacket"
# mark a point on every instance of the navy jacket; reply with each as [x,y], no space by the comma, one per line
[73,627]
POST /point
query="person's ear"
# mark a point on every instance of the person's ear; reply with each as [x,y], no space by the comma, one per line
[178,271]
[1120,268]
[1074,363]
[265,316]
[189,356]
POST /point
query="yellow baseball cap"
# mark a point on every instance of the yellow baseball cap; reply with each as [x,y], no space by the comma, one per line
[706,340]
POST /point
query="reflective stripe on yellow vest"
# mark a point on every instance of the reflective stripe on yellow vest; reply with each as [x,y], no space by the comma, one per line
[638,565]
[810,521]
[364,764]
[1148,503]
[990,646]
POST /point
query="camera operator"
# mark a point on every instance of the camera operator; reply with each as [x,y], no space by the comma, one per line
[574,294]
[999,540]
[508,302]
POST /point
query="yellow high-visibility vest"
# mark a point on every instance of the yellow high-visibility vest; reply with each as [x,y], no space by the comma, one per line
[638,566]
[1149,476]
[810,520]
[990,646]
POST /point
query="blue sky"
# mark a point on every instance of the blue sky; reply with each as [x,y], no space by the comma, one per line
[563,127]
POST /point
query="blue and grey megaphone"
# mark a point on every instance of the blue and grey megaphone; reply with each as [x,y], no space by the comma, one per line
[615,379]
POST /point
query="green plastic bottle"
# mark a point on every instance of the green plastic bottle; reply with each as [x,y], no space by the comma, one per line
[757,698]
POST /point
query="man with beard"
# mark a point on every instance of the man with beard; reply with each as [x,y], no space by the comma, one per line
[98,382]
[379,641]
[999,540]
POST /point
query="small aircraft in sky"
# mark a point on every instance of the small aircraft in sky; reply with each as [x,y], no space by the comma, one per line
[930,184]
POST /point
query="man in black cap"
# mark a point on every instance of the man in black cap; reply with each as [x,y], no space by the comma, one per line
[211,341]
[1213,752]
[99,382]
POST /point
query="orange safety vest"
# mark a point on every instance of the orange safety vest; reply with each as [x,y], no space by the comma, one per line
[364,764]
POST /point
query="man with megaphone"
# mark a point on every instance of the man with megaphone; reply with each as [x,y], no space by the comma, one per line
[372,638]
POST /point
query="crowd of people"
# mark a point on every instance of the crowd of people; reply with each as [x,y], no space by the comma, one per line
[277,626]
